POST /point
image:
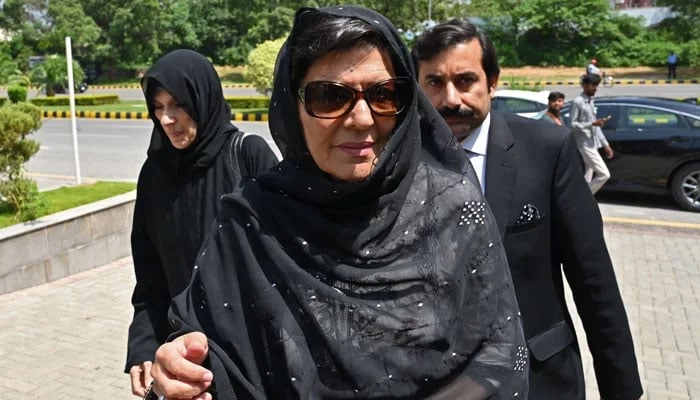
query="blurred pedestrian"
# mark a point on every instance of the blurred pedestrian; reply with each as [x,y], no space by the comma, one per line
[195,156]
[586,127]
[592,68]
[555,102]
[671,62]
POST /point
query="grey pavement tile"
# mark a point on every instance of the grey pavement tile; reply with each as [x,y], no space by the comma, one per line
[70,334]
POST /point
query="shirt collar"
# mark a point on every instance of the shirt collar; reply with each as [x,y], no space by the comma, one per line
[478,139]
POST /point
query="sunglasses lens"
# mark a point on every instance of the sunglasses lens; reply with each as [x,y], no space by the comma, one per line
[326,99]
[387,98]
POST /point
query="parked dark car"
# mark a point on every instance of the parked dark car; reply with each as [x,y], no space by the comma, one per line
[657,146]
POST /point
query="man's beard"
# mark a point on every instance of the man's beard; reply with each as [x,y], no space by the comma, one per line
[554,112]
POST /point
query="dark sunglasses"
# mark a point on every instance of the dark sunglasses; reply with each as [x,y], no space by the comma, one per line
[328,99]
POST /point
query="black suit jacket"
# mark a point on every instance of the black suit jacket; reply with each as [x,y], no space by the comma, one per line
[535,165]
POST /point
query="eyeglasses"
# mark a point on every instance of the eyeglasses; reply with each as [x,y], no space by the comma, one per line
[328,99]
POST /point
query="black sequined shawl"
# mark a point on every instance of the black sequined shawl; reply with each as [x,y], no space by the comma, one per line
[396,287]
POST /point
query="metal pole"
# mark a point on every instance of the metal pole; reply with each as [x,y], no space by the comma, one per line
[430,8]
[71,99]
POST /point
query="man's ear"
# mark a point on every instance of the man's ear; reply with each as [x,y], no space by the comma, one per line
[493,84]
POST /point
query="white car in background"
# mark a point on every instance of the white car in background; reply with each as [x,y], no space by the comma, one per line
[525,103]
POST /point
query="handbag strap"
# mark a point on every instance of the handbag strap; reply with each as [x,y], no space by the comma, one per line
[234,157]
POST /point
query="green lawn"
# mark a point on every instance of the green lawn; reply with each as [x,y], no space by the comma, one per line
[123,105]
[68,197]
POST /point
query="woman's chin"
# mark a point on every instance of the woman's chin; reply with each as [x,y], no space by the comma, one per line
[357,174]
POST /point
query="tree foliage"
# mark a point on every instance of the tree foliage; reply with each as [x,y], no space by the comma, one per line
[53,73]
[17,121]
[125,36]
[261,65]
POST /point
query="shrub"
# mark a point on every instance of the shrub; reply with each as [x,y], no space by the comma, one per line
[2,101]
[17,93]
[248,101]
[16,122]
[261,65]
[54,71]
[80,100]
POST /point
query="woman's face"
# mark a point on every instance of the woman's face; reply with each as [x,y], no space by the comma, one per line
[347,147]
[180,128]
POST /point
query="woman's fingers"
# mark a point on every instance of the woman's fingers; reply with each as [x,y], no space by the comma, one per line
[177,372]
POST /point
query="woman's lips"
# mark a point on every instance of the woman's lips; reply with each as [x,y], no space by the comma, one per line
[357,149]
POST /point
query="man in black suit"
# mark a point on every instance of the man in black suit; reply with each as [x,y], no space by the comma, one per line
[532,178]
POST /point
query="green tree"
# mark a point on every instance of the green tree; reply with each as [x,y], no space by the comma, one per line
[220,33]
[17,121]
[9,72]
[539,32]
[175,28]
[132,35]
[67,18]
[686,26]
[53,73]
[261,65]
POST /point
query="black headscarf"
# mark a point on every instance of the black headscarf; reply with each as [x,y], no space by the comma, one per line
[179,193]
[396,287]
[192,81]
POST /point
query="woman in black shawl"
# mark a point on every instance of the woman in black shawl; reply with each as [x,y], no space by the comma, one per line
[366,265]
[190,165]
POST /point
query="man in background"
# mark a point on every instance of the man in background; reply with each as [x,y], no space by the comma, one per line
[531,175]
[592,68]
[589,136]
[554,106]
[671,62]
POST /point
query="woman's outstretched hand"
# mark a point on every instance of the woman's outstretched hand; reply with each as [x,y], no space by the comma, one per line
[177,371]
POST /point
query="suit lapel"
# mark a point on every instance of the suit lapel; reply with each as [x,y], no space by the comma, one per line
[501,170]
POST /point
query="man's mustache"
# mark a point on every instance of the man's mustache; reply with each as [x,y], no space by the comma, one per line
[464,112]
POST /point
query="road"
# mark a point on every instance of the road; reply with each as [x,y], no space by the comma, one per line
[670,91]
[662,90]
[108,149]
[116,149]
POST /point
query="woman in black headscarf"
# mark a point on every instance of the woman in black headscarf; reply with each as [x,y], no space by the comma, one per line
[192,161]
[366,265]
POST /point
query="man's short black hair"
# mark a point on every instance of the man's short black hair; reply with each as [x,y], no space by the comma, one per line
[591,78]
[555,96]
[451,33]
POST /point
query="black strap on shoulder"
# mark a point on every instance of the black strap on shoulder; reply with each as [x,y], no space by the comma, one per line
[234,157]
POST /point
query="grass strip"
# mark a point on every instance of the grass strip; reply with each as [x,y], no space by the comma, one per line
[132,106]
[67,197]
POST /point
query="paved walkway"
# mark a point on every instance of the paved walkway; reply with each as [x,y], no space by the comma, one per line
[66,339]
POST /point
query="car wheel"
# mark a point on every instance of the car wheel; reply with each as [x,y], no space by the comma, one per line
[685,187]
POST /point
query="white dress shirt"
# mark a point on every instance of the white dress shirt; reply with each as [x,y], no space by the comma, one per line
[475,144]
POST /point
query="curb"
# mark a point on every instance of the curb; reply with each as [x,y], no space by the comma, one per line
[137,86]
[142,115]
[615,81]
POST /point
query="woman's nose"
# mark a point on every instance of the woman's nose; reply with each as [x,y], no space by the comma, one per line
[166,118]
[360,117]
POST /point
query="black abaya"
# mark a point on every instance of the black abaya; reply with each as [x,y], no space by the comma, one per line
[179,192]
[396,287]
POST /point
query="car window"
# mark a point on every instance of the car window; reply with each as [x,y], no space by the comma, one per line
[694,122]
[642,118]
[605,110]
[509,104]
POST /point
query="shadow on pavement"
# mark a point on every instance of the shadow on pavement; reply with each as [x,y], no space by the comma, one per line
[638,200]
